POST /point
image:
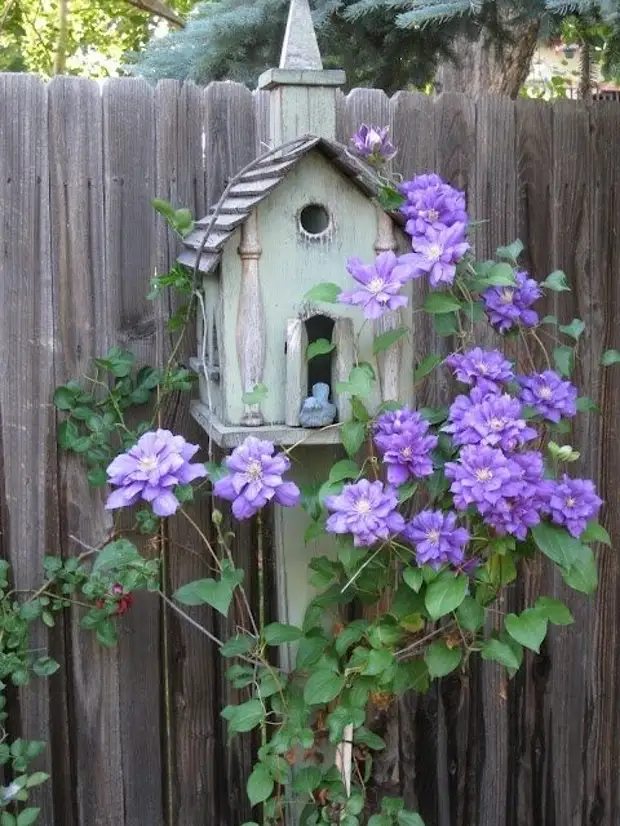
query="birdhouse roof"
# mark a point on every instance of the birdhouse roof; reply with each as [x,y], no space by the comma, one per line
[254,183]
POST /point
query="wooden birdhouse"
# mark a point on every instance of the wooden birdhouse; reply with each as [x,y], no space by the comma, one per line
[286,222]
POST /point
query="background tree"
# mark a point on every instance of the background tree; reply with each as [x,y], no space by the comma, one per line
[79,36]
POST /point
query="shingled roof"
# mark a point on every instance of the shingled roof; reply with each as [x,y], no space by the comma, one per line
[256,182]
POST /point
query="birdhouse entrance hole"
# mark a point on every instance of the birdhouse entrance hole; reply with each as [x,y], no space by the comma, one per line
[319,367]
[314,220]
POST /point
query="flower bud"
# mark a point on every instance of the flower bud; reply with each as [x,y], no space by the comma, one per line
[216,517]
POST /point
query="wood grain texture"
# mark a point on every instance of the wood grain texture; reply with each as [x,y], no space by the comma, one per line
[29,508]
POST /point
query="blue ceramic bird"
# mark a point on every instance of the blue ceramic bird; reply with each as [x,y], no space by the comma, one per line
[317,410]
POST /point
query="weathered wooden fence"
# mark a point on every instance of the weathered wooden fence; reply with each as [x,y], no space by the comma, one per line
[134,734]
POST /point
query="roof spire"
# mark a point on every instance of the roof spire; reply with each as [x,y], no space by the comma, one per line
[300,49]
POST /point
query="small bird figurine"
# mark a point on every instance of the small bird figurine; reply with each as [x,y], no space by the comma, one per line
[317,410]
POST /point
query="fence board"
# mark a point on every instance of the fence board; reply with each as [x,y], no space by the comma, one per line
[129,173]
[136,733]
[29,506]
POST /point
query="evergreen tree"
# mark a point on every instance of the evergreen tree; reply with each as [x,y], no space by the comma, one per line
[479,47]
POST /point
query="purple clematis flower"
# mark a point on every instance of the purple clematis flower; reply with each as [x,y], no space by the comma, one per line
[366,510]
[151,469]
[373,144]
[256,478]
[495,421]
[550,395]
[487,369]
[482,477]
[402,436]
[431,203]
[437,253]
[381,284]
[573,502]
[514,517]
[507,307]
[437,538]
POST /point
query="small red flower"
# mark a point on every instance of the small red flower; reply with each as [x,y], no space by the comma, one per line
[123,604]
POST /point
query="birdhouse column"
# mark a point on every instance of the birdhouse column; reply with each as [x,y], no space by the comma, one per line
[302,94]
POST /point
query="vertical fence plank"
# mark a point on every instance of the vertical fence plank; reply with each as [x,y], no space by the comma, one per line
[529,717]
[29,505]
[602,787]
[83,317]
[459,706]
[191,709]
[129,173]
[369,106]
[569,690]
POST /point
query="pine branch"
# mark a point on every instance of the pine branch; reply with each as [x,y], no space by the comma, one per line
[158,9]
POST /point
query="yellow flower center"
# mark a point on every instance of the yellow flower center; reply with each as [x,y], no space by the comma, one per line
[406,453]
[433,536]
[254,471]
[570,502]
[484,474]
[497,424]
[545,392]
[363,506]
[506,296]
[431,215]
[148,463]
[434,252]
[376,285]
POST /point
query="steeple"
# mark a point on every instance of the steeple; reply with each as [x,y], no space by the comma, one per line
[300,49]
[303,95]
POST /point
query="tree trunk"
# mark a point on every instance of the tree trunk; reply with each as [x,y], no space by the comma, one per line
[483,67]
[60,56]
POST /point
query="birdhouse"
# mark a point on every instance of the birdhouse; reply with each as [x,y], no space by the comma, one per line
[289,221]
[284,223]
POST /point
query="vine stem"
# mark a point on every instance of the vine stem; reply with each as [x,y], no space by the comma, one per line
[189,619]
[260,564]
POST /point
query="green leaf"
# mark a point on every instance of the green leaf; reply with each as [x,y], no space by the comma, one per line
[386,340]
[441,660]
[554,610]
[106,633]
[405,492]
[584,404]
[67,435]
[574,329]
[7,819]
[119,362]
[510,252]
[45,667]
[115,555]
[426,366]
[359,383]
[583,574]
[306,780]
[244,717]
[411,676]
[414,578]
[216,593]
[258,394]
[352,435]
[349,635]
[163,207]
[595,533]
[446,324]
[28,816]
[529,628]
[390,198]
[343,716]
[327,292]
[380,820]
[439,303]
[31,610]
[309,651]
[509,656]
[260,785]
[610,357]
[405,818]
[97,478]
[372,740]
[377,662]
[322,687]
[551,320]
[65,398]
[557,544]
[277,633]
[500,275]
[470,614]
[20,676]
[556,282]
[320,347]
[345,469]
[445,594]
[36,778]
[563,358]
[359,410]
[240,644]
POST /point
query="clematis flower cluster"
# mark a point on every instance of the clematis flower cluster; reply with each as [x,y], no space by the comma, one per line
[550,395]
[486,369]
[380,284]
[437,538]
[366,510]
[373,144]
[151,469]
[509,307]
[403,439]
[255,478]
